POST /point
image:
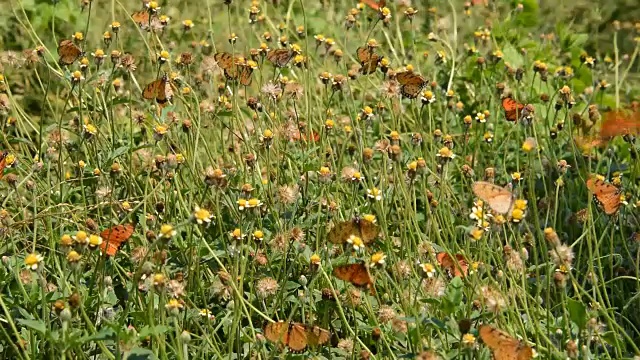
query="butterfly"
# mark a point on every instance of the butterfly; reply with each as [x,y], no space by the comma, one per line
[606,194]
[455,268]
[364,229]
[3,162]
[368,59]
[280,57]
[159,89]
[234,68]
[499,199]
[411,84]
[357,274]
[375,5]
[504,346]
[114,237]
[620,122]
[141,18]
[296,336]
[512,109]
[68,52]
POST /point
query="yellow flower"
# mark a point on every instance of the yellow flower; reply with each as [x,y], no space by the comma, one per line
[445,153]
[66,240]
[174,304]
[378,259]
[517,215]
[81,237]
[468,340]
[202,215]
[73,256]
[374,193]
[357,176]
[429,269]
[356,242]
[315,259]
[520,204]
[516,176]
[167,231]
[237,234]
[158,279]
[206,313]
[369,217]
[33,260]
[94,241]
[258,235]
[476,233]
[254,203]
[242,204]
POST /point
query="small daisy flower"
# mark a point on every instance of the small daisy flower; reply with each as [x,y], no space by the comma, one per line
[468,340]
[315,259]
[374,194]
[254,203]
[476,233]
[428,269]
[356,242]
[174,304]
[481,118]
[202,216]
[33,261]
[167,231]
[445,154]
[378,259]
[242,204]
[237,234]
[520,204]
[73,257]
[516,176]
[517,215]
[207,314]
[94,241]
[81,237]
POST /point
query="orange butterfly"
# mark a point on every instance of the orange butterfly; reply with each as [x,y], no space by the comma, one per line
[411,84]
[357,274]
[458,267]
[234,68]
[512,109]
[297,136]
[368,59]
[364,229]
[159,89]
[3,162]
[620,122]
[499,199]
[296,336]
[606,194]
[503,346]
[142,19]
[280,57]
[114,237]
[375,5]
[68,51]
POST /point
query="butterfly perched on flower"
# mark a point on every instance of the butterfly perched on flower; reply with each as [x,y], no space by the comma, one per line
[142,19]
[369,60]
[411,84]
[68,52]
[114,237]
[296,336]
[504,346]
[280,57]
[160,90]
[500,199]
[620,122]
[512,109]
[3,162]
[364,229]
[357,274]
[457,267]
[235,68]
[607,195]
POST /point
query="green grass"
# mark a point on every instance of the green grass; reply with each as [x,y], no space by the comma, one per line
[86,155]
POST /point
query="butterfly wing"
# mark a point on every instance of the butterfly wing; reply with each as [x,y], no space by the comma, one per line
[114,237]
[297,337]
[503,346]
[152,89]
[607,194]
[68,52]
[141,18]
[357,274]
[227,63]
[317,336]
[368,60]
[164,92]
[411,84]
[458,268]
[368,230]
[3,162]
[342,231]
[277,332]
[620,122]
[375,5]
[498,198]
[280,57]
[245,75]
[512,109]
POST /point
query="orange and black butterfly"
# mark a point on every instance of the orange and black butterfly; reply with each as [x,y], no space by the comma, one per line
[280,57]
[142,19]
[234,68]
[114,237]
[368,59]
[68,51]
[159,89]
[457,267]
[411,84]
[375,5]
[620,122]
[362,228]
[504,346]
[357,274]
[296,336]
[512,109]
[3,162]
[607,195]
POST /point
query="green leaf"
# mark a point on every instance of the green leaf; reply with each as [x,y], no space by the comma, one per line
[577,313]
[141,354]
[151,331]
[35,325]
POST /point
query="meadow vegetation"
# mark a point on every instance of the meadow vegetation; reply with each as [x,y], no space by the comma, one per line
[319,179]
